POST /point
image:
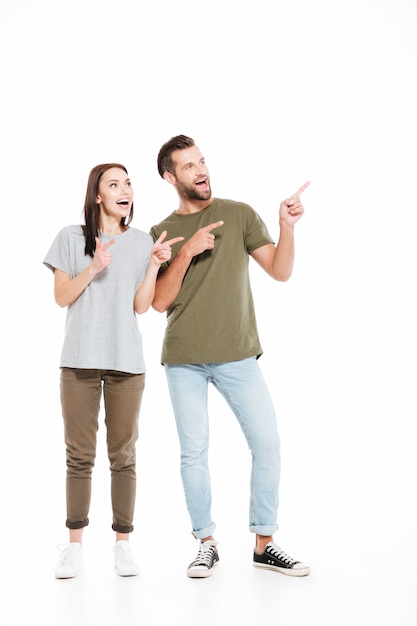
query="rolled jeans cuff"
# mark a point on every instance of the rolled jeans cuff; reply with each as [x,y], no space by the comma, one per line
[266,531]
[205,532]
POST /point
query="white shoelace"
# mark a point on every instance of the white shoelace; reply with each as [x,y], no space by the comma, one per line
[205,554]
[280,554]
[66,553]
[124,555]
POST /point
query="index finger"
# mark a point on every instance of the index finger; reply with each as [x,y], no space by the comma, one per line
[302,188]
[211,227]
[170,242]
[161,237]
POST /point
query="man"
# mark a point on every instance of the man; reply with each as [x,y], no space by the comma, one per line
[211,337]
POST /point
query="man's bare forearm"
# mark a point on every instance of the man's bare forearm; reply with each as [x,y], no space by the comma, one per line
[283,260]
[168,284]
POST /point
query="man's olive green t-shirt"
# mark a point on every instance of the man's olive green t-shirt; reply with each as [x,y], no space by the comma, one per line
[212,320]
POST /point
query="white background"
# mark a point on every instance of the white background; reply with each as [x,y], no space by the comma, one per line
[274,93]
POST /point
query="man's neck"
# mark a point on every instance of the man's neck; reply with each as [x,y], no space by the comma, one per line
[192,206]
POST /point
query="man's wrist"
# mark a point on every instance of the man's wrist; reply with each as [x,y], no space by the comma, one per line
[284,225]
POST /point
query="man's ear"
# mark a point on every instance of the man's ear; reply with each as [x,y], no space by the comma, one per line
[170,178]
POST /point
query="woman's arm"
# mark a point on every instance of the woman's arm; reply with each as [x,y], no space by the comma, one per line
[67,289]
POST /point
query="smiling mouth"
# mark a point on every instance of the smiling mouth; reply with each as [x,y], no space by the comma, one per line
[124,202]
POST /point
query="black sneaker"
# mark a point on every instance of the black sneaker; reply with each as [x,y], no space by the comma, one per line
[274,558]
[206,559]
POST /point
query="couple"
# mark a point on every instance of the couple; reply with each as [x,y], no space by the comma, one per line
[200,277]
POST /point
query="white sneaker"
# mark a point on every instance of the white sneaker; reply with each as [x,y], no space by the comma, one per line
[124,563]
[70,562]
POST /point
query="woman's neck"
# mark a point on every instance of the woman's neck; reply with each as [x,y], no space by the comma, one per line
[112,229]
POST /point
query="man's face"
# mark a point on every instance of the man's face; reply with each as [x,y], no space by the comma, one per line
[191,174]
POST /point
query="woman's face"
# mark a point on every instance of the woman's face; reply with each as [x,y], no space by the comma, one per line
[115,193]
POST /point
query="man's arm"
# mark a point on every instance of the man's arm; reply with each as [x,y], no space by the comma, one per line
[161,252]
[278,261]
[169,282]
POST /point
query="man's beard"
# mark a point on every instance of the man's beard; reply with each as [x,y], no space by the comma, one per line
[193,193]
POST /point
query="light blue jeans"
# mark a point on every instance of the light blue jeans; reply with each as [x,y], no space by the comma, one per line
[243,387]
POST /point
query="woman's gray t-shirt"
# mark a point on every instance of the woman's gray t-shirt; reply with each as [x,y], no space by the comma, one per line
[101,330]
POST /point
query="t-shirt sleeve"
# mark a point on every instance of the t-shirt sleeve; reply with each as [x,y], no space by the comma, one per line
[153,234]
[256,233]
[58,255]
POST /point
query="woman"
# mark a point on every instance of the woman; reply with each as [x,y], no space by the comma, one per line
[104,272]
